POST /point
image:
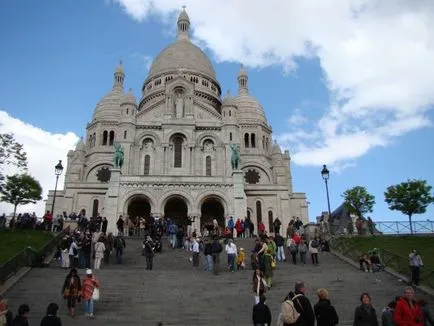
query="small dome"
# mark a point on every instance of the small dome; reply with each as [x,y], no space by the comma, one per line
[108,108]
[129,98]
[182,55]
[242,72]
[183,15]
[120,69]
[249,108]
[229,100]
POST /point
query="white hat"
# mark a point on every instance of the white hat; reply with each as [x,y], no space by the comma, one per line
[88,271]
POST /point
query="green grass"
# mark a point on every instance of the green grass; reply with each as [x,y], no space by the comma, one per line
[13,241]
[400,245]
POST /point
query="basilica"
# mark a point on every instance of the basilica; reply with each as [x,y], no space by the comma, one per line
[176,141]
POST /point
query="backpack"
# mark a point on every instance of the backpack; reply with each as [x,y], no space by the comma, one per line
[118,243]
[314,244]
[288,313]
[293,248]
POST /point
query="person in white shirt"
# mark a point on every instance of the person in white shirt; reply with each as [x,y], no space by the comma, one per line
[415,263]
[196,250]
[231,250]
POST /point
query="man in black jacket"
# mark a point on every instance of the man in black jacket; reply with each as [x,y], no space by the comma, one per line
[261,313]
[302,305]
[216,249]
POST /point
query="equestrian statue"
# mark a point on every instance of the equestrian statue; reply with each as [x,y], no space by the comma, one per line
[235,159]
[118,157]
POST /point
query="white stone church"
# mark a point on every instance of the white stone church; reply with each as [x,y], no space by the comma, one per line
[177,156]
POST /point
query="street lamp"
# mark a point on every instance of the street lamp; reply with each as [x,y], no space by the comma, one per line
[58,169]
[325,173]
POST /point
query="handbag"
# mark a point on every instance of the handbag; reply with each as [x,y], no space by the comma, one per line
[95,294]
[273,263]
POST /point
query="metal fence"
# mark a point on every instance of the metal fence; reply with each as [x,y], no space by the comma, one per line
[391,260]
[29,257]
[403,227]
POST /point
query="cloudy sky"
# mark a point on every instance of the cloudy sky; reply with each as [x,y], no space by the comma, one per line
[347,83]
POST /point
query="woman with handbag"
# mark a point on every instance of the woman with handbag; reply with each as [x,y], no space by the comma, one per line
[259,284]
[90,292]
[71,290]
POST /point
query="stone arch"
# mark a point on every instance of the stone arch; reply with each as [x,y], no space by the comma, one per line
[95,205]
[201,138]
[95,166]
[259,166]
[148,134]
[126,198]
[186,136]
[212,206]
[177,207]
[138,205]
[175,193]
[213,194]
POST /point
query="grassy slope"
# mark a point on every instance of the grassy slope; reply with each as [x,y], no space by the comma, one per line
[400,245]
[13,241]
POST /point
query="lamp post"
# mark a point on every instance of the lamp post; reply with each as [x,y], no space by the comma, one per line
[325,173]
[58,169]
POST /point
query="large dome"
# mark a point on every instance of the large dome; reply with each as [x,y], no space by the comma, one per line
[182,55]
[249,109]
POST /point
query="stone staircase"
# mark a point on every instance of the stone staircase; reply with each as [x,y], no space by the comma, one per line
[177,294]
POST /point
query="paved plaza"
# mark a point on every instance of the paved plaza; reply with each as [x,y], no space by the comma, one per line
[177,294]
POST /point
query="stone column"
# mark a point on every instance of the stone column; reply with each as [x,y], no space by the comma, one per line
[111,201]
[240,200]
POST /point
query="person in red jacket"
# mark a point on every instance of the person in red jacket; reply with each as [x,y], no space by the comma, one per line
[239,228]
[408,311]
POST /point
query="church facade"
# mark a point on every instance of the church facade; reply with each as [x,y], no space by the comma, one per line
[177,148]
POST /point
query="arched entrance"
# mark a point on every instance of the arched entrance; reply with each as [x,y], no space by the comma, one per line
[139,206]
[211,209]
[176,209]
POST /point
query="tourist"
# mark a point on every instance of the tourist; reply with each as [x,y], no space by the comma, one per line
[120,224]
[376,264]
[268,268]
[276,225]
[415,264]
[313,250]
[280,242]
[86,249]
[172,230]
[119,244]
[302,250]
[365,314]
[252,229]
[429,321]
[108,244]
[104,224]
[90,283]
[71,290]
[387,314]
[261,315]
[216,249]
[179,236]
[298,225]
[302,305]
[407,310]
[259,284]
[241,257]
[73,253]
[51,319]
[231,250]
[66,261]
[293,250]
[207,251]
[247,227]
[239,228]
[195,250]
[99,252]
[261,229]
[22,318]
[231,226]
[364,263]
[148,251]
[325,313]
[6,318]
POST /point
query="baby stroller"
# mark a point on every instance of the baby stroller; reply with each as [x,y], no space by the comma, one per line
[254,261]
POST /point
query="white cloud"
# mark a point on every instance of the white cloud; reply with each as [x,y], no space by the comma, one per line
[44,150]
[297,118]
[376,56]
[144,60]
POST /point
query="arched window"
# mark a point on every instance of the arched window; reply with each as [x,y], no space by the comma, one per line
[112,137]
[230,136]
[253,140]
[246,140]
[94,140]
[177,144]
[224,113]
[128,111]
[147,164]
[270,221]
[89,142]
[95,208]
[125,134]
[258,212]
[104,137]
[208,166]
[230,113]
[263,142]
[267,141]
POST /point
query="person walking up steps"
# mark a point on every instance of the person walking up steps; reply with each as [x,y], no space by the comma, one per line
[231,250]
[71,290]
[148,252]
[90,283]
[216,249]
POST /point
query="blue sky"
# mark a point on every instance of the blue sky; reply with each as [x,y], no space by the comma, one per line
[332,99]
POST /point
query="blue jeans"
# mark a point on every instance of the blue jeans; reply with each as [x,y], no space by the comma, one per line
[231,262]
[208,263]
[118,255]
[88,306]
[172,239]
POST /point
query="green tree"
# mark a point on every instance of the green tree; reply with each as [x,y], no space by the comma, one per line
[411,197]
[358,201]
[21,189]
[11,153]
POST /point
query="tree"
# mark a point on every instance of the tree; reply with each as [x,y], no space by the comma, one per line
[411,197]
[21,189]
[11,153]
[358,201]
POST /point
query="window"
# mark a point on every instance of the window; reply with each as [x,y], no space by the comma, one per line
[112,138]
[208,166]
[177,144]
[104,137]
[263,142]
[128,111]
[94,140]
[224,113]
[147,164]
[270,221]
[95,208]
[246,140]
[258,212]
[125,134]
[230,113]
[230,136]
[253,140]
